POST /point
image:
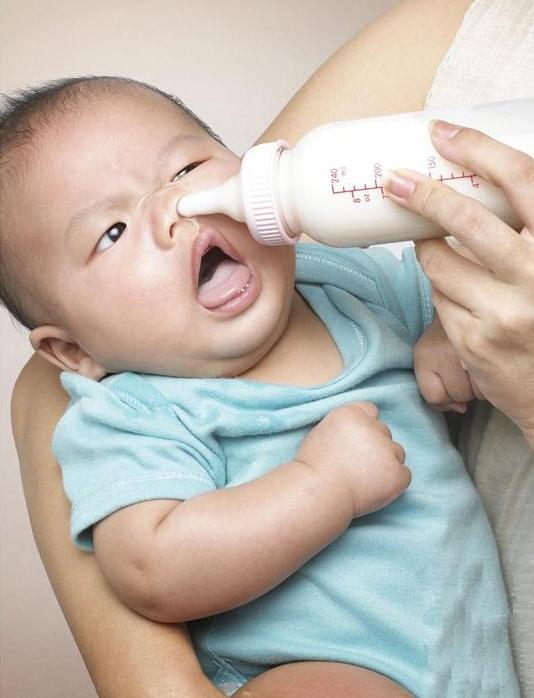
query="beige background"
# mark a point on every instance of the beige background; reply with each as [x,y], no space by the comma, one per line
[236,63]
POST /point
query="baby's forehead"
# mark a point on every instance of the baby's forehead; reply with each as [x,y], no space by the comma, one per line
[130,116]
[69,112]
[122,99]
[123,95]
[81,123]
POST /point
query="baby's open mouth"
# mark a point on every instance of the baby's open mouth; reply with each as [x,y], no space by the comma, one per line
[221,278]
[209,263]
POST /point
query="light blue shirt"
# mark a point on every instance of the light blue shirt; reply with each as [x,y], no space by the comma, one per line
[413,591]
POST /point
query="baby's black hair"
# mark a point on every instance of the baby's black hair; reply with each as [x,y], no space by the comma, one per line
[22,115]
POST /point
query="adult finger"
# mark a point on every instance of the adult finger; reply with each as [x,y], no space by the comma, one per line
[493,242]
[476,390]
[509,169]
[458,326]
[463,281]
[457,323]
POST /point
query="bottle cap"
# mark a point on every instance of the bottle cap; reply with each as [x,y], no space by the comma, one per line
[258,179]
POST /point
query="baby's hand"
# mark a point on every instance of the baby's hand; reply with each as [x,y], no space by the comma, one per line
[352,444]
[441,378]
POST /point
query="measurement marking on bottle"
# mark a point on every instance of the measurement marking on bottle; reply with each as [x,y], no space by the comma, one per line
[360,194]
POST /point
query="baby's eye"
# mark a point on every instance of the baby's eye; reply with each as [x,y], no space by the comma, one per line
[111,236]
[185,171]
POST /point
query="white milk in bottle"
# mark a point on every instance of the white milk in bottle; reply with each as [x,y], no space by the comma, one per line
[330,184]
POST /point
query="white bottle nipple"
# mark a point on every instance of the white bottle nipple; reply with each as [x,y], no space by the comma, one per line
[250,197]
[225,198]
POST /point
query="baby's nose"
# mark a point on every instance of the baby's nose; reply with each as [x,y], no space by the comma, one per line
[162,215]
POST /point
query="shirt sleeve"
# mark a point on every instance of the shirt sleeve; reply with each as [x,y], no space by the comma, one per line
[404,288]
[118,447]
[395,290]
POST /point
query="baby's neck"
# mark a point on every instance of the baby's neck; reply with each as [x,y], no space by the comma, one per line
[305,355]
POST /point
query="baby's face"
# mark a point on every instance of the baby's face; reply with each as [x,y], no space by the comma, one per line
[137,287]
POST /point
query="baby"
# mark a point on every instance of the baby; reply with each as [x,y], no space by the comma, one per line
[222,448]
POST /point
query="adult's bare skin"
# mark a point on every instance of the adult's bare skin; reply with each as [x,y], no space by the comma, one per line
[125,653]
[321,680]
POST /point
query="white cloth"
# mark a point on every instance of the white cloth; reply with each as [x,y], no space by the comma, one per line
[491,57]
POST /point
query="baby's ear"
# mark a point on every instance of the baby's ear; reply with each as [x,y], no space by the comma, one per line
[57,346]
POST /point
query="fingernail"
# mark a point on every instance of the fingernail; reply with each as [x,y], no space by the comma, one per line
[460,407]
[398,185]
[443,129]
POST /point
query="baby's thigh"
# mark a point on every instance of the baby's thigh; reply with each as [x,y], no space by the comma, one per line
[321,680]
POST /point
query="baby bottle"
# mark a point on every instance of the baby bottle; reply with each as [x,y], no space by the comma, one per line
[330,184]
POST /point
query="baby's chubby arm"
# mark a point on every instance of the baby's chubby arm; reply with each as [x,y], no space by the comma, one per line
[441,378]
[178,561]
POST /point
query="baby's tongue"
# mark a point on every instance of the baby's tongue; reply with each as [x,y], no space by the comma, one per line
[226,283]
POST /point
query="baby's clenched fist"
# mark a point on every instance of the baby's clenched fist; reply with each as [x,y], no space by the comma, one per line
[351,447]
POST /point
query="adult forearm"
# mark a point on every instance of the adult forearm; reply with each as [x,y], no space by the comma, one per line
[126,655]
[386,68]
[224,548]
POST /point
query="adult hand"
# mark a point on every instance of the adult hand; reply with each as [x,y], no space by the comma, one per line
[485,300]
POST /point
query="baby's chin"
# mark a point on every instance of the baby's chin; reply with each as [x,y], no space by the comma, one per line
[234,367]
[221,353]
[229,367]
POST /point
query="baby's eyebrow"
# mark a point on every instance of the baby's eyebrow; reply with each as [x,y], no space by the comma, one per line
[111,202]
[86,212]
